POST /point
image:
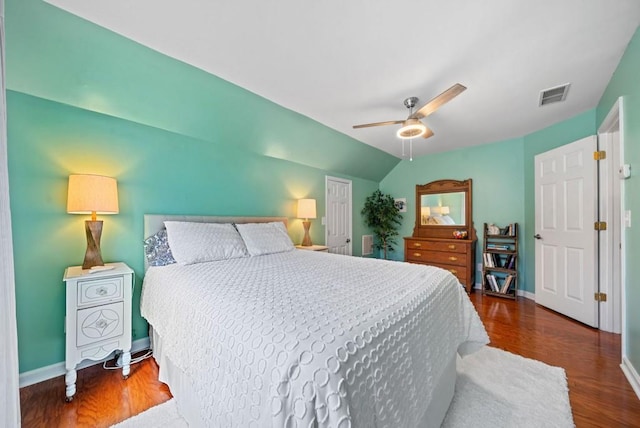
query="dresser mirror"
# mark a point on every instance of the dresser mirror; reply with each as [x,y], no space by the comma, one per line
[443,210]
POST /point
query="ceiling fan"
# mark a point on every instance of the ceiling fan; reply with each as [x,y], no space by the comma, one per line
[412,127]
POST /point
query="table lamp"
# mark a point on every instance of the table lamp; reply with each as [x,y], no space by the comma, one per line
[306,210]
[425,213]
[92,194]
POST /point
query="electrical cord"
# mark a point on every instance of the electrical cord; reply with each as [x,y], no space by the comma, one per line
[133,360]
[119,354]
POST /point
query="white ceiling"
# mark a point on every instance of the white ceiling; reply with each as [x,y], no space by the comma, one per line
[350,62]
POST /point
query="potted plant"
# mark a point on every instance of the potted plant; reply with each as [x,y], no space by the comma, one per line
[383,216]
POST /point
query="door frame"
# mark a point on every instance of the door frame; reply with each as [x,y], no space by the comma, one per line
[608,176]
[328,178]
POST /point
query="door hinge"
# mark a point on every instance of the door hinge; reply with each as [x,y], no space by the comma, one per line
[600,297]
[599,155]
[600,225]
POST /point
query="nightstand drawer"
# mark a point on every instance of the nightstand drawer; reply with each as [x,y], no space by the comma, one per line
[99,323]
[93,291]
[100,351]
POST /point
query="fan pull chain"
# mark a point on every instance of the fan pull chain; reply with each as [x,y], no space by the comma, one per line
[411,140]
[411,150]
[404,140]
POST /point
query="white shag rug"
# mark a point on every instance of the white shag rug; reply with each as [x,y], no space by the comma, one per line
[494,389]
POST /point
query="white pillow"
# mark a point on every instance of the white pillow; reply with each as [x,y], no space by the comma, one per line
[203,242]
[265,238]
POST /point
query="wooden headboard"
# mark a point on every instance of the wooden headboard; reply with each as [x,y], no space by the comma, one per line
[154,223]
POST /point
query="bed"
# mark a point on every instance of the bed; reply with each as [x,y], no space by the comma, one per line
[303,338]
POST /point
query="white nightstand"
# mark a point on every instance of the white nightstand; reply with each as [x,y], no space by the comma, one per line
[322,248]
[98,317]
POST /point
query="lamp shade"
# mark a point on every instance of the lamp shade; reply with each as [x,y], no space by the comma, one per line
[306,208]
[89,194]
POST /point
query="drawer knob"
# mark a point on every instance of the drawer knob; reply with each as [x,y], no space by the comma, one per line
[102,291]
[417,254]
[453,258]
[453,271]
[452,247]
[417,244]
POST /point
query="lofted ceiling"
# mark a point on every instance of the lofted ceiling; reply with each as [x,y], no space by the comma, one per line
[344,63]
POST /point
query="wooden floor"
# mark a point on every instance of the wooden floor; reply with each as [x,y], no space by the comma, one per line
[102,398]
[600,395]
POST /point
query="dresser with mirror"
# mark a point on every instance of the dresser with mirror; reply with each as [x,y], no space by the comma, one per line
[444,235]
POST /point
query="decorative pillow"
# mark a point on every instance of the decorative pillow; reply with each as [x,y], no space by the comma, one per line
[265,238]
[157,250]
[203,242]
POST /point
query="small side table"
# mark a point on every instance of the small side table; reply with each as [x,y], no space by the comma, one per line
[98,317]
[322,248]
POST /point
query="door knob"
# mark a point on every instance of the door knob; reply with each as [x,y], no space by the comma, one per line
[348,240]
[537,236]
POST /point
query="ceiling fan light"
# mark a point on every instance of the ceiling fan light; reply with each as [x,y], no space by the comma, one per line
[411,128]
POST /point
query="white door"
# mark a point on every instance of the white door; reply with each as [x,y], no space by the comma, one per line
[338,216]
[566,241]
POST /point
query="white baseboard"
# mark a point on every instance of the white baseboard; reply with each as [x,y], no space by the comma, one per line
[55,370]
[527,294]
[631,374]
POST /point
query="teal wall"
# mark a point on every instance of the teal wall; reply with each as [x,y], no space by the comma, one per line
[84,100]
[498,184]
[625,83]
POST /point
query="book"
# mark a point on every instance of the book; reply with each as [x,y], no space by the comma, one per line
[496,287]
[510,262]
[500,247]
[488,260]
[493,284]
[506,284]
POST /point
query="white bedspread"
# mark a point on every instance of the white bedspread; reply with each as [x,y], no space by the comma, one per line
[310,339]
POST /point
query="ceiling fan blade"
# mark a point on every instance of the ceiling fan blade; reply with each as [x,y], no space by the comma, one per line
[368,125]
[438,101]
[428,134]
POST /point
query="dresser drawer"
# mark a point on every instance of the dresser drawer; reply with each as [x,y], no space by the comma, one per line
[457,271]
[437,257]
[99,323]
[436,246]
[95,291]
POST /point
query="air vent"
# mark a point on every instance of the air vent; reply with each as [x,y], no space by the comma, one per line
[367,245]
[554,95]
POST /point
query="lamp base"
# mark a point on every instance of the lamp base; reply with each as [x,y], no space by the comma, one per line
[92,257]
[306,242]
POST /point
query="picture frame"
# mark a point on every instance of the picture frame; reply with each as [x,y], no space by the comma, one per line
[401,204]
